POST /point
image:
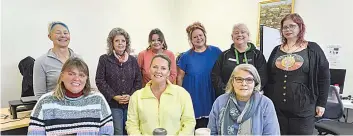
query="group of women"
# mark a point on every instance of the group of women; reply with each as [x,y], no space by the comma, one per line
[139,94]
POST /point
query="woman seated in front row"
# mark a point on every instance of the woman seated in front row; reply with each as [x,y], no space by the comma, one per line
[243,110]
[160,104]
[72,109]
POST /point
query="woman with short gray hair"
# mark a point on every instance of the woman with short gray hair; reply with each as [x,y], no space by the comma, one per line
[242,110]
[242,51]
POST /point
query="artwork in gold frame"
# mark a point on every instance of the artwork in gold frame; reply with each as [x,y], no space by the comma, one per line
[271,13]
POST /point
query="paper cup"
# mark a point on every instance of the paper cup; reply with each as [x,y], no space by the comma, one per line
[202,132]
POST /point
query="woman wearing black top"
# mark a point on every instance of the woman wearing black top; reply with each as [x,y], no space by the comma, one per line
[298,79]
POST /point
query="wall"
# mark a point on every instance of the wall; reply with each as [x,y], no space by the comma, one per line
[25,23]
[24,27]
[330,23]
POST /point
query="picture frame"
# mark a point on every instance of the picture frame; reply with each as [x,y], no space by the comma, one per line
[271,12]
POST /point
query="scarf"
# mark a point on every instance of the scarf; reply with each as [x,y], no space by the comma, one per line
[230,115]
[121,58]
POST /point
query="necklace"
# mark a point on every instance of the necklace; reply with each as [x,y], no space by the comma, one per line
[289,60]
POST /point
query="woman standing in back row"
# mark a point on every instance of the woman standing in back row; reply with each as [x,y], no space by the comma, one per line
[299,79]
[118,76]
[241,52]
[157,45]
[194,72]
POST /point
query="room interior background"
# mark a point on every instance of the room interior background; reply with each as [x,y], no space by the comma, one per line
[24,28]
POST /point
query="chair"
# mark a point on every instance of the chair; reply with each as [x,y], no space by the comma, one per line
[329,123]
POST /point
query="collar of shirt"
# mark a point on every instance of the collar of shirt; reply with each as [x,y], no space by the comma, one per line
[147,92]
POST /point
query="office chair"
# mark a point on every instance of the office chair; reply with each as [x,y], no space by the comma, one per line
[329,123]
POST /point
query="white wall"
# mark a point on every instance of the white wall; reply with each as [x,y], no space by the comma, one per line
[330,22]
[24,27]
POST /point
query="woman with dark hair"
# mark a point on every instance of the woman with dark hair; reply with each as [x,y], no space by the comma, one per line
[194,72]
[72,108]
[298,79]
[157,45]
[118,76]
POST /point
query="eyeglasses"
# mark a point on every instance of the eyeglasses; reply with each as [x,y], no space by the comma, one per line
[289,27]
[248,80]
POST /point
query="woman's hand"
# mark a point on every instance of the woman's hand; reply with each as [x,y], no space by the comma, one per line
[122,99]
[319,111]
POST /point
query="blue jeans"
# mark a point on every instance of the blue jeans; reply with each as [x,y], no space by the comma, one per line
[119,119]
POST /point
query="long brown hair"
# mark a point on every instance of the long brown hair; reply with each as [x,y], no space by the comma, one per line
[161,37]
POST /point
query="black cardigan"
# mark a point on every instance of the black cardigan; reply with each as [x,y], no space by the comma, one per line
[319,74]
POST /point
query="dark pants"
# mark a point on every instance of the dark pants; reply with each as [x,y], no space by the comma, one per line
[201,123]
[294,125]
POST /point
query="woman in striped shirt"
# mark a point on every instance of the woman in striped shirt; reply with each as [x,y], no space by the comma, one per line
[72,108]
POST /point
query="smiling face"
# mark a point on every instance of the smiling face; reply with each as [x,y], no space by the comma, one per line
[243,83]
[60,36]
[119,43]
[156,42]
[240,35]
[290,29]
[74,80]
[159,70]
[198,38]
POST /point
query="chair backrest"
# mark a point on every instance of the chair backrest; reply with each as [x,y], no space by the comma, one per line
[334,107]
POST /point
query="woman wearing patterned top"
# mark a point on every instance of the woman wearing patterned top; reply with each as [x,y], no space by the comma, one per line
[118,76]
[298,80]
[72,109]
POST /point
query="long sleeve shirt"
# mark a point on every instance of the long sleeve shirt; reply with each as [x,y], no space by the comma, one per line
[144,60]
[264,120]
[115,78]
[174,112]
[85,115]
[46,71]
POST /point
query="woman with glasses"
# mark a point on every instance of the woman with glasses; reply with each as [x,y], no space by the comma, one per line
[242,110]
[241,52]
[157,45]
[299,79]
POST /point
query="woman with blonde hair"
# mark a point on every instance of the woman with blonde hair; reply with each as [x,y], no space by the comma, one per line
[47,67]
[242,110]
[72,108]
[160,104]
[194,72]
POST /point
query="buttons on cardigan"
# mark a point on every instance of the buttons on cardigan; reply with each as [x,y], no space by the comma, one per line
[284,100]
[285,75]
[284,94]
[285,81]
[284,87]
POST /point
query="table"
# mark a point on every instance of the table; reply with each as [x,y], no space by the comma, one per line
[347,104]
[9,124]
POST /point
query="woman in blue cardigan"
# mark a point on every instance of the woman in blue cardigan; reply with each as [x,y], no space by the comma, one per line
[243,110]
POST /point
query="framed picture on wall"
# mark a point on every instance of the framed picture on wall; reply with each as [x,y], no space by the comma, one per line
[271,13]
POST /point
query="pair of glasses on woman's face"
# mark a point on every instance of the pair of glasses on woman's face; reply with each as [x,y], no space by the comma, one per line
[247,80]
[289,27]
